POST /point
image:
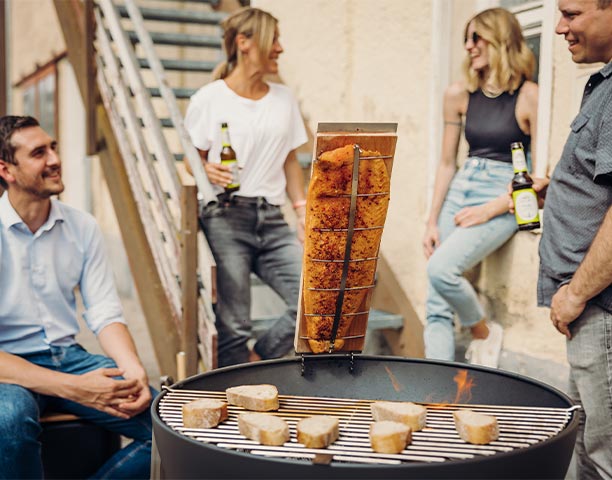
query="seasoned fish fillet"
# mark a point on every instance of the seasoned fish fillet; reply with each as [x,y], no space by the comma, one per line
[327,209]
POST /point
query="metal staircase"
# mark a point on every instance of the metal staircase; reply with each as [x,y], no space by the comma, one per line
[137,65]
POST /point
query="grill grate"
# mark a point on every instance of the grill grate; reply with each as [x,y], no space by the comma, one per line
[519,427]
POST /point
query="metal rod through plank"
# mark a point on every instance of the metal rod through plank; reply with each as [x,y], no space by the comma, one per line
[347,248]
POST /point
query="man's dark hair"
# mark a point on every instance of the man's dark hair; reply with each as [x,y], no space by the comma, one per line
[8,126]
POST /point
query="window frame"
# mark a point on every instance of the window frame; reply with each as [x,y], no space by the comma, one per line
[34,81]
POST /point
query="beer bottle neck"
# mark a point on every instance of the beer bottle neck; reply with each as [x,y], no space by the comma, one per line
[519,163]
[225,140]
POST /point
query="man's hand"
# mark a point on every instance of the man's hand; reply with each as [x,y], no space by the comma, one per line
[540,186]
[140,402]
[565,308]
[219,174]
[98,389]
[431,240]
[471,216]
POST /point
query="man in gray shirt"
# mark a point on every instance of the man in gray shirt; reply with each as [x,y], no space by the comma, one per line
[575,278]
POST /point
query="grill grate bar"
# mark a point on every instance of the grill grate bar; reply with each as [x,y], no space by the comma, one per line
[520,427]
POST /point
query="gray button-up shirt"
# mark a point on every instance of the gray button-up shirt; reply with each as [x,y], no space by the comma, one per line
[580,192]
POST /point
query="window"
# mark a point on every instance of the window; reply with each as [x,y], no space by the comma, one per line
[529,14]
[40,97]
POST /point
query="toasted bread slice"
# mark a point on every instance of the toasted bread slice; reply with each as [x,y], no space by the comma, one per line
[260,398]
[319,431]
[408,413]
[389,437]
[476,427]
[204,413]
[264,428]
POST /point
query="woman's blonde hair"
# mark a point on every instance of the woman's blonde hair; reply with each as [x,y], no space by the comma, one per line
[511,61]
[252,23]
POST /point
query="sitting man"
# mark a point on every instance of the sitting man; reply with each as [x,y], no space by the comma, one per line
[47,249]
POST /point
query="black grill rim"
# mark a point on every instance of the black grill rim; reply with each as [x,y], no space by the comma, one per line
[568,434]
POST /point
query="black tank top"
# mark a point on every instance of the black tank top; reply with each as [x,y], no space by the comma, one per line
[491,126]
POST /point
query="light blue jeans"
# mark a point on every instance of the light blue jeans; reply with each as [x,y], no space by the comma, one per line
[477,182]
[19,425]
[589,353]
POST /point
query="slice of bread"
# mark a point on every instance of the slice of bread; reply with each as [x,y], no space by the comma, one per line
[204,413]
[408,413]
[319,431]
[264,428]
[389,437]
[260,398]
[476,427]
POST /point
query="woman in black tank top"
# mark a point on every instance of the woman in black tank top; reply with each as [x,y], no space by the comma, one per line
[469,216]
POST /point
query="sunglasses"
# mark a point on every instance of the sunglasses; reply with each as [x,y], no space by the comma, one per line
[475,37]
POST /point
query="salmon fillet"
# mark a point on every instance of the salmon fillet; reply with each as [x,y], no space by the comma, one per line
[331,177]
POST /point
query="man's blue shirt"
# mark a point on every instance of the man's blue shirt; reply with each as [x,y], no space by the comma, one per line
[39,273]
[580,192]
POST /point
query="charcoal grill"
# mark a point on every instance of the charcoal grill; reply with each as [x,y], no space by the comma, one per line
[537,422]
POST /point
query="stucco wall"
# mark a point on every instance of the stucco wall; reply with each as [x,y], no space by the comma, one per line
[366,60]
[35,36]
[372,60]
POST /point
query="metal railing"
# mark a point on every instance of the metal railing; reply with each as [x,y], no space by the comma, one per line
[163,194]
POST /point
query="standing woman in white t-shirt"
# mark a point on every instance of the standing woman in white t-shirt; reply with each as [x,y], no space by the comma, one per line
[246,231]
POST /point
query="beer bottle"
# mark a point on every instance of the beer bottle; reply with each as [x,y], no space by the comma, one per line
[228,157]
[523,195]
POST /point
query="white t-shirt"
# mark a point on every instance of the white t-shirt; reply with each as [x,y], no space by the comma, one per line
[262,133]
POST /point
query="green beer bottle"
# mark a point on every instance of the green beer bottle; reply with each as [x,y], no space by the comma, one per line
[228,157]
[523,195]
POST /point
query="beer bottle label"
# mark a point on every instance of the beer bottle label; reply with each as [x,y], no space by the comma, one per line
[234,166]
[525,206]
[518,160]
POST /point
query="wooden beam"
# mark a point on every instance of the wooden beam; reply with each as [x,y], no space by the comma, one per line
[3,63]
[89,64]
[189,276]
[153,299]
[390,297]
[70,16]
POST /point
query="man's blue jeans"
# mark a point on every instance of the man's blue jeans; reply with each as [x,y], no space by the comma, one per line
[589,353]
[20,411]
[250,235]
[479,181]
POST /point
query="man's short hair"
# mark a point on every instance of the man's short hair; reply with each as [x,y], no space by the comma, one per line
[8,126]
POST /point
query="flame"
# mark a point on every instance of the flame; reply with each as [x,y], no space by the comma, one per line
[464,386]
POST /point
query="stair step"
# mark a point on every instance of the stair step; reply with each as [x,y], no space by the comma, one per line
[377,320]
[181,93]
[173,15]
[178,157]
[212,3]
[182,65]
[179,39]
[165,122]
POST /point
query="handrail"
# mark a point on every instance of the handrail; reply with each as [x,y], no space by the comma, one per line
[204,187]
[141,94]
[161,260]
[137,139]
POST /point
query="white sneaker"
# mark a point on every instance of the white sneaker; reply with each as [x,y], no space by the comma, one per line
[486,351]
